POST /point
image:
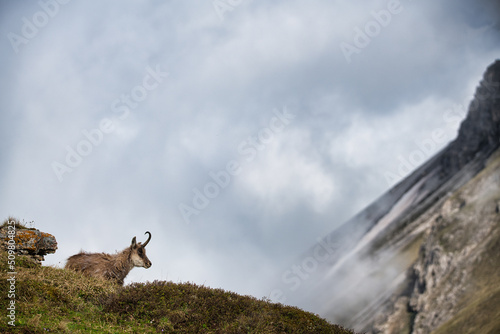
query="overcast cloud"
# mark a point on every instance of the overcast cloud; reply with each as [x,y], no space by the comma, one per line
[306,134]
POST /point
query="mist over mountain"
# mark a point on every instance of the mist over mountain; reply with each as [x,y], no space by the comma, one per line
[414,261]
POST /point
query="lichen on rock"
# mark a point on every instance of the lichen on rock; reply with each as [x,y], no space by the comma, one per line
[24,241]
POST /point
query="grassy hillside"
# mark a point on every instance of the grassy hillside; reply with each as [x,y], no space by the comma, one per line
[52,300]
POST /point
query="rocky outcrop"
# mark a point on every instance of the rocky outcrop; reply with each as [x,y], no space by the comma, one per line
[462,228]
[29,242]
[457,265]
[480,132]
[405,264]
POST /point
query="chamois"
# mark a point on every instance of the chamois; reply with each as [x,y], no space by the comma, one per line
[113,267]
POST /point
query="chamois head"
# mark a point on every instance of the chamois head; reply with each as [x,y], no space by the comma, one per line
[138,253]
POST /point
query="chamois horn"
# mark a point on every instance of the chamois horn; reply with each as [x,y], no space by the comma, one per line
[147,241]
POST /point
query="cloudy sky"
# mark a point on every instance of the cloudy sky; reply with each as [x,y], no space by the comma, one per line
[237,132]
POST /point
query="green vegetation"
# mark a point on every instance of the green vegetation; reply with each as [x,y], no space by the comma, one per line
[52,300]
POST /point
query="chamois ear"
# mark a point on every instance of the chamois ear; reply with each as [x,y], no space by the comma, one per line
[133,242]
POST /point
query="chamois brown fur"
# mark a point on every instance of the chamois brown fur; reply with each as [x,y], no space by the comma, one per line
[113,267]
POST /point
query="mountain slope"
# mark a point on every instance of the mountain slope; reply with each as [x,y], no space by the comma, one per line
[61,301]
[373,259]
[453,286]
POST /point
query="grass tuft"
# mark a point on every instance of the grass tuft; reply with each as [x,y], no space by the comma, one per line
[17,223]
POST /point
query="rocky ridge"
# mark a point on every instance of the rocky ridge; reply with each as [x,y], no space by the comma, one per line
[480,132]
[392,260]
[458,264]
[457,221]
